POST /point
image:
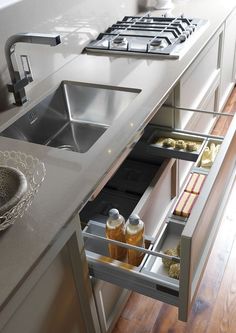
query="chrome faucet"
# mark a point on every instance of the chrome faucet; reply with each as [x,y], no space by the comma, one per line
[17,82]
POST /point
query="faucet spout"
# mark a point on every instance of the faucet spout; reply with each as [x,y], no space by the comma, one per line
[17,83]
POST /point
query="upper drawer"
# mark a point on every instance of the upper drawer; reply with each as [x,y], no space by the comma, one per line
[199,81]
[144,187]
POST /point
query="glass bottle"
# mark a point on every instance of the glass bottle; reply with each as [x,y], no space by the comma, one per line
[115,229]
[134,235]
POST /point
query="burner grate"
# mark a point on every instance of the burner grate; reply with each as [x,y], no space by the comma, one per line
[146,34]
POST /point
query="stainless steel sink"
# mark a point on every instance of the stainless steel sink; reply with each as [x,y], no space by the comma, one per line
[73,117]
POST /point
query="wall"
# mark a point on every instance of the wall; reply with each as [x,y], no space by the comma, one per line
[77,21]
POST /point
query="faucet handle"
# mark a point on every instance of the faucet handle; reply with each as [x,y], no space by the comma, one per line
[21,82]
[26,67]
[16,87]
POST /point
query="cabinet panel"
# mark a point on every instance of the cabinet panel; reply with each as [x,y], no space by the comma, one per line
[52,305]
[110,301]
[228,58]
[165,116]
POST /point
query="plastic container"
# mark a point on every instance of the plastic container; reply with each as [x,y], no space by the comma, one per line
[115,229]
[134,235]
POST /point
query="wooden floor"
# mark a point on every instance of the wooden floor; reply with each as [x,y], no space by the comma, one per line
[214,309]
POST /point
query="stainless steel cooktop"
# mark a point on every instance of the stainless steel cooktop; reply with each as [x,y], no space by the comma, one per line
[162,36]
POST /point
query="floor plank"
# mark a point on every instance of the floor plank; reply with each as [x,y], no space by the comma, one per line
[214,308]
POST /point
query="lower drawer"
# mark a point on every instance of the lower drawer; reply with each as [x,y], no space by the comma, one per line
[150,277]
[195,234]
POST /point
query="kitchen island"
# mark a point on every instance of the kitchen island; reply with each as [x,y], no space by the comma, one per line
[72,178]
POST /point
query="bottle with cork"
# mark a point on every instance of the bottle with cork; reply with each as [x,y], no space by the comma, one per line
[134,235]
[115,229]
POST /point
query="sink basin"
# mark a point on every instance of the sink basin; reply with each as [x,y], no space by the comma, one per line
[73,117]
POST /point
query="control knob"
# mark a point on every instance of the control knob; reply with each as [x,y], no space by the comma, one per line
[192,26]
[182,38]
[189,29]
[186,33]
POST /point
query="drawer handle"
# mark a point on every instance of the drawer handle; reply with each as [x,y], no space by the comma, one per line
[174,180]
[167,290]
[200,111]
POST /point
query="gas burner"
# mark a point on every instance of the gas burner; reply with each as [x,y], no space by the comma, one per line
[145,20]
[148,35]
[157,42]
[119,40]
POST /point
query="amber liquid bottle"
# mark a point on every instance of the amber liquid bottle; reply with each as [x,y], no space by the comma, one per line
[115,229]
[134,235]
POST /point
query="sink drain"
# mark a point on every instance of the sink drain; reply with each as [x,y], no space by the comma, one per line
[66,147]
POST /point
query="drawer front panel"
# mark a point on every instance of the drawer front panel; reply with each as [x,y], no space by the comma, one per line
[198,76]
[199,81]
[199,234]
[144,283]
[209,213]
[228,59]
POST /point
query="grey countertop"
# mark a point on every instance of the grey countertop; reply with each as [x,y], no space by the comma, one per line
[71,177]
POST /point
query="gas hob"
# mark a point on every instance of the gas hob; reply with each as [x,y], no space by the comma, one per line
[163,36]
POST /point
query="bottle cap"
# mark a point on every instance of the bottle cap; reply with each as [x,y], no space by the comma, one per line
[134,219]
[114,213]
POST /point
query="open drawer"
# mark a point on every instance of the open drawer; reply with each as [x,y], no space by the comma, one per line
[136,186]
[195,235]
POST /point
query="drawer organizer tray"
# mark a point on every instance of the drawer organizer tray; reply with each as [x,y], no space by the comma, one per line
[158,149]
[168,239]
[208,143]
[133,177]
[198,170]
[107,199]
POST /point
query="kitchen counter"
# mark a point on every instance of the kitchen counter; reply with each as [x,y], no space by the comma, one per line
[71,177]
